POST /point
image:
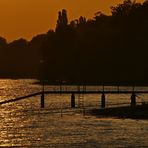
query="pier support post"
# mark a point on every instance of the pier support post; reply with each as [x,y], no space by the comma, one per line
[133,100]
[42,100]
[103,100]
[73,100]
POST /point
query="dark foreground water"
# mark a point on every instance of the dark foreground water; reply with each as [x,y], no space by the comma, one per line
[24,124]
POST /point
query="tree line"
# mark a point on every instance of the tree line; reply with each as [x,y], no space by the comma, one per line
[109,49]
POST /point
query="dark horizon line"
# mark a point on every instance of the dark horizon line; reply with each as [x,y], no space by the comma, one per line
[79,83]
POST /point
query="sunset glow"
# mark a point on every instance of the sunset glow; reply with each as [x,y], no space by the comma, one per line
[27,18]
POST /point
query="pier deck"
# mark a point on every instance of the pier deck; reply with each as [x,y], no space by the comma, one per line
[94,92]
[74,92]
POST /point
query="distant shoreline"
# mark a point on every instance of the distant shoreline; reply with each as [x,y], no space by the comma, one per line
[51,82]
[93,84]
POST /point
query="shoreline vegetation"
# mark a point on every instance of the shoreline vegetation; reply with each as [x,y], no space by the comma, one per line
[107,49]
[59,83]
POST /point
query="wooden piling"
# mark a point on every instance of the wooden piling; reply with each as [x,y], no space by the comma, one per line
[42,100]
[73,100]
[103,100]
[133,100]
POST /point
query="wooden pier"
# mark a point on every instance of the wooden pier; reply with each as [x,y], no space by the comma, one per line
[80,90]
[19,98]
[133,105]
[94,92]
[73,92]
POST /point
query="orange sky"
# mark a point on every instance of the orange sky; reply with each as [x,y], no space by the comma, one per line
[26,18]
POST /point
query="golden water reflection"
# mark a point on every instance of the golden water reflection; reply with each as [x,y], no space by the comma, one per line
[24,124]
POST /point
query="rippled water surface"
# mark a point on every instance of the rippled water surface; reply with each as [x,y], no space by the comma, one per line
[24,124]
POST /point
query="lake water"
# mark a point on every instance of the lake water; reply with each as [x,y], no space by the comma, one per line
[25,124]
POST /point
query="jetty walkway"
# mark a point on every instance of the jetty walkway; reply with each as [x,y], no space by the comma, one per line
[134,94]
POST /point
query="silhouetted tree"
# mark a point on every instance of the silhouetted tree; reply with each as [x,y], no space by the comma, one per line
[124,9]
[62,21]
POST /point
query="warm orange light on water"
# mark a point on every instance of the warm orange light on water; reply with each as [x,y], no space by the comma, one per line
[27,18]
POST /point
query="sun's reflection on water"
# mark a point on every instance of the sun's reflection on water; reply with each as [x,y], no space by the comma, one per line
[24,124]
